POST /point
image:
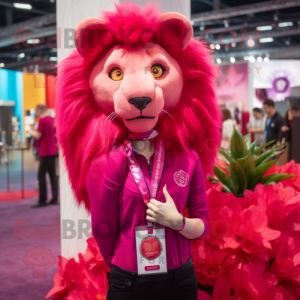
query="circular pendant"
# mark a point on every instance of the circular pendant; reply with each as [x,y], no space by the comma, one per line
[150,247]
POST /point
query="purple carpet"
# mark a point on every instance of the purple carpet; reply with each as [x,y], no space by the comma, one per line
[23,229]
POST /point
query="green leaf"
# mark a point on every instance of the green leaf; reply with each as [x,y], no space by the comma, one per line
[226,189]
[256,175]
[248,163]
[226,155]
[247,139]
[238,148]
[224,178]
[267,155]
[251,148]
[238,176]
[257,150]
[275,154]
[275,178]
[212,179]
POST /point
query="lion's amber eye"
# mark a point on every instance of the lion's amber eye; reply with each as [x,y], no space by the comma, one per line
[157,71]
[116,74]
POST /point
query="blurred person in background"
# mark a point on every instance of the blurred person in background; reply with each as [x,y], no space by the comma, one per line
[35,150]
[227,129]
[2,143]
[273,124]
[237,118]
[257,126]
[48,152]
[286,133]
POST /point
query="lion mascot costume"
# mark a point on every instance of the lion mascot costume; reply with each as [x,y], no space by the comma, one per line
[139,129]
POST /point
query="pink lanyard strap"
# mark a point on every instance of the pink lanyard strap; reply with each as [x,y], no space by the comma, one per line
[137,174]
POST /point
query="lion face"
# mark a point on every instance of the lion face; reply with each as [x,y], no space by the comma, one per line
[139,85]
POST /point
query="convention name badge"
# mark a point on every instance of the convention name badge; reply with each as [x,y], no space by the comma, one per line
[151,249]
[150,239]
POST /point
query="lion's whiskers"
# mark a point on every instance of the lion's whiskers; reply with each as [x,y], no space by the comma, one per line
[167,113]
[113,117]
[110,116]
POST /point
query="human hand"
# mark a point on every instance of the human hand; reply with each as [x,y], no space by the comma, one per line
[164,213]
[284,128]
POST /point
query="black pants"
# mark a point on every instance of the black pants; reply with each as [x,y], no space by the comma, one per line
[178,284]
[47,164]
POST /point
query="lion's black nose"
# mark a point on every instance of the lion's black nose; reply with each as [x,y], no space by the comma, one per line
[140,102]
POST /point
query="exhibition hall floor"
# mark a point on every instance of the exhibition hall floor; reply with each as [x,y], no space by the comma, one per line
[27,237]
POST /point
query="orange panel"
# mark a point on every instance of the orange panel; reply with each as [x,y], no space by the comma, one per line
[50,91]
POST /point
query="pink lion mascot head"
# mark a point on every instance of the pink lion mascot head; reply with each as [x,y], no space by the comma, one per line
[135,70]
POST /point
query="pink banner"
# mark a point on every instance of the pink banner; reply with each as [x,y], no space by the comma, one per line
[232,86]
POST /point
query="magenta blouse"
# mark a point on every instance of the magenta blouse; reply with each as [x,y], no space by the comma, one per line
[117,205]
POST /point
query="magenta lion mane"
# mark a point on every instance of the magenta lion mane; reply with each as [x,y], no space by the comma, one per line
[82,129]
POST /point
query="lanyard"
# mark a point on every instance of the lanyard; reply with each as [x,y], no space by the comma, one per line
[267,126]
[137,174]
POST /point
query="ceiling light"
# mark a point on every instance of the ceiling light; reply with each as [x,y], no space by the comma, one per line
[259,59]
[266,40]
[233,44]
[266,59]
[2,65]
[232,59]
[33,41]
[251,59]
[22,6]
[285,24]
[218,47]
[246,57]
[225,22]
[212,46]
[192,22]
[218,60]
[21,55]
[250,43]
[54,58]
[264,28]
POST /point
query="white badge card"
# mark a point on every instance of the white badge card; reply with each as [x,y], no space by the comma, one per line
[151,249]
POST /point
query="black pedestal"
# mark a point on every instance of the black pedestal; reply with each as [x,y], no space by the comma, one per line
[296,139]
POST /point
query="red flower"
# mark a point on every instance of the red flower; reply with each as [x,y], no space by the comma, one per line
[252,282]
[251,226]
[286,266]
[69,270]
[280,204]
[220,232]
[282,294]
[289,168]
[93,257]
[94,288]
[216,200]
[221,291]
[83,280]
[210,262]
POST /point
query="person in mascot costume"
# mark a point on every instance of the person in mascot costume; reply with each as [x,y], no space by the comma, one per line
[139,129]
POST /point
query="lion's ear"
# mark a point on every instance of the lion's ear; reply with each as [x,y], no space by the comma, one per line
[92,38]
[178,26]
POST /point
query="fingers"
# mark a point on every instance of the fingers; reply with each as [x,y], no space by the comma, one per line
[152,206]
[166,193]
[150,213]
[154,202]
[148,218]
